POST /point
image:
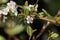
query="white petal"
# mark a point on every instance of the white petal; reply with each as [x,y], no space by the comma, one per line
[28,22]
[36,6]
[28,17]
[31,18]
[16,13]
[11,5]
[5,13]
[31,6]
[1,12]
[12,2]
[8,4]
[6,9]
[4,18]
[31,22]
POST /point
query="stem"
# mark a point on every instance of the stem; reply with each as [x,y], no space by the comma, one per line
[45,26]
[43,29]
[29,38]
[33,38]
[36,2]
[53,21]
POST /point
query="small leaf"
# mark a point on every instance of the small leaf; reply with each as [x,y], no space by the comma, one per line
[29,31]
[26,12]
[20,6]
[41,14]
[47,14]
[54,35]
[57,19]
[34,30]
[26,3]
[2,38]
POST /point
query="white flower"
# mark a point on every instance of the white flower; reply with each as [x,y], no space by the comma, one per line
[29,19]
[32,6]
[12,7]
[5,11]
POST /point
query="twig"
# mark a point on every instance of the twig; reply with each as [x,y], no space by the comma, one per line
[58,14]
[45,26]
[33,38]
[52,21]
[43,29]
[43,18]
[36,2]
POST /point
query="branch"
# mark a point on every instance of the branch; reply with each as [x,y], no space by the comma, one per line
[52,21]
[44,18]
[43,29]
[45,26]
[36,2]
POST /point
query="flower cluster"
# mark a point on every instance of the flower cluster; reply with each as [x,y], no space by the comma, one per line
[11,6]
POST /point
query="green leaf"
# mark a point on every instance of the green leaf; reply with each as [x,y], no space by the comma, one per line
[18,29]
[20,6]
[26,12]
[2,6]
[29,31]
[15,30]
[54,35]
[47,14]
[41,14]
[26,3]
[3,1]
[57,20]
[2,38]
